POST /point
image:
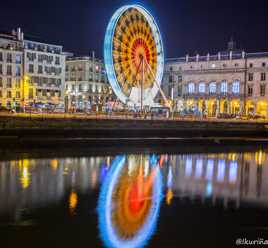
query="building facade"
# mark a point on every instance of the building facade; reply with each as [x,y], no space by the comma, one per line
[228,83]
[87,86]
[30,72]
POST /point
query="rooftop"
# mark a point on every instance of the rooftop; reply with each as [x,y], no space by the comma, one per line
[220,56]
[29,41]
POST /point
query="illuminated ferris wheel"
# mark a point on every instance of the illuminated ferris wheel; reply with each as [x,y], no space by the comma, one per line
[134,56]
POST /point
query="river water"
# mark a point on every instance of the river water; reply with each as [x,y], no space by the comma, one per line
[134,200]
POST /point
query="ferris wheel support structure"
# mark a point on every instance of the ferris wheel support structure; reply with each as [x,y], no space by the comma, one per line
[158,85]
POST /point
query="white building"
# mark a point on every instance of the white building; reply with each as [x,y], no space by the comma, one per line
[87,86]
[30,71]
[232,82]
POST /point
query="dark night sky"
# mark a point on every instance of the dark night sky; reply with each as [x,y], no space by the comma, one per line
[187,26]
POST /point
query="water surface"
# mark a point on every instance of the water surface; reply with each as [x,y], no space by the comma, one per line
[134,200]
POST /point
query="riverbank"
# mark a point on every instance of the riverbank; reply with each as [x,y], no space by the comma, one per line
[60,130]
[37,150]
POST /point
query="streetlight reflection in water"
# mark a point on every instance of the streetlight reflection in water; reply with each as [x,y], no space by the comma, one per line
[130,190]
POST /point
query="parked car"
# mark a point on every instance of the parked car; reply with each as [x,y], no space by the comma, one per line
[59,109]
[160,111]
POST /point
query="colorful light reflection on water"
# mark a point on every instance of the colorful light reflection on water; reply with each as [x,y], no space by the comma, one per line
[127,191]
[129,201]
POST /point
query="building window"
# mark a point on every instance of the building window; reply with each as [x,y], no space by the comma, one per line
[263,64]
[18,59]
[236,87]
[9,95]
[1,69]
[224,87]
[40,69]
[30,93]
[1,82]
[17,83]
[93,88]
[170,79]
[250,90]
[9,58]
[263,76]
[1,56]
[17,94]
[18,71]
[191,88]
[250,65]
[9,83]
[212,88]
[100,90]
[262,89]
[250,77]
[31,68]
[1,95]
[57,60]
[59,82]
[179,90]
[202,88]
[9,70]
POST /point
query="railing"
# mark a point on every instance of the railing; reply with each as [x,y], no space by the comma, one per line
[84,58]
[210,95]
[221,56]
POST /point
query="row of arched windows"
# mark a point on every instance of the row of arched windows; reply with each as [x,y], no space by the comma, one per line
[212,87]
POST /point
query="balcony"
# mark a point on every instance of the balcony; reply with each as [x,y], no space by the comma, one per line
[209,95]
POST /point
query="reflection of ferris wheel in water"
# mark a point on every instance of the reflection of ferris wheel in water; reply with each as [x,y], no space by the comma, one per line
[129,201]
[134,56]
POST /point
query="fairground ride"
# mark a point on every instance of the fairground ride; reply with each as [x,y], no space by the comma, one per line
[134,57]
